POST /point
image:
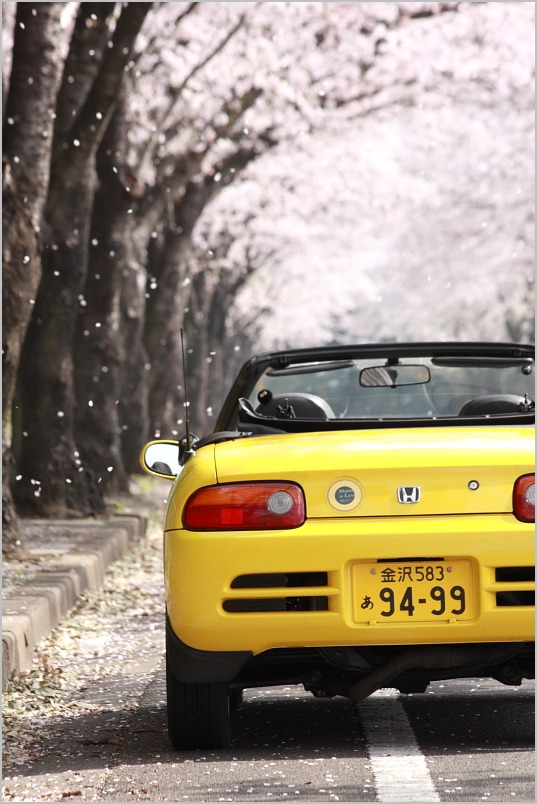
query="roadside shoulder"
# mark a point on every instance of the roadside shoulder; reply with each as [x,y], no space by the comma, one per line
[66,558]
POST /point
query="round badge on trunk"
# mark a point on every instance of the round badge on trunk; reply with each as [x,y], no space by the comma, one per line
[345,494]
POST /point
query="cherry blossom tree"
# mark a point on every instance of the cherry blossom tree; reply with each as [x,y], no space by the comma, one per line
[258,173]
[53,478]
[409,213]
[210,107]
[261,85]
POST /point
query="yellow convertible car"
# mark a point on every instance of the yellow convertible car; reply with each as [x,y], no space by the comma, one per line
[361,517]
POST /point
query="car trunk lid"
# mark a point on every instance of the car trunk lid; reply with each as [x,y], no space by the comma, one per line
[390,472]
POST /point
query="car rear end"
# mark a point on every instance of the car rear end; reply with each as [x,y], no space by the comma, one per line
[385,539]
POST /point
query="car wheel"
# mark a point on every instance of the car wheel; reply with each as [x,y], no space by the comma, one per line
[198,714]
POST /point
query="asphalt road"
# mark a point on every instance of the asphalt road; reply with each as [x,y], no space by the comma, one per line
[101,736]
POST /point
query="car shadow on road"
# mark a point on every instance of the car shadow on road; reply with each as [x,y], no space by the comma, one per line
[494,720]
[281,724]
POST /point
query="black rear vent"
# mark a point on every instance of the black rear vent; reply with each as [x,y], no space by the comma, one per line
[306,603]
[515,598]
[280,579]
[510,574]
[515,576]
[234,606]
[288,581]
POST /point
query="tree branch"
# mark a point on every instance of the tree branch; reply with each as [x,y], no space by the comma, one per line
[100,103]
[175,94]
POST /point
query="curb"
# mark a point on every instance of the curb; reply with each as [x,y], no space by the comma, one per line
[71,556]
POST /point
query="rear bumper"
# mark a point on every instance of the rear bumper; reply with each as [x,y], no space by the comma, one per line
[207,612]
[353,672]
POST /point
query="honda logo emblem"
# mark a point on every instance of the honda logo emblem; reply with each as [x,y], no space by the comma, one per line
[408,494]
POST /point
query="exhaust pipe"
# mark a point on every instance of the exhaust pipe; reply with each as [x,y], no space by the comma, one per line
[430,657]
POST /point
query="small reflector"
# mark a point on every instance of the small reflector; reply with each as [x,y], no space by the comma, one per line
[280,503]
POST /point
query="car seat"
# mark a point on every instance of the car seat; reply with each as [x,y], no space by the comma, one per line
[294,406]
[490,404]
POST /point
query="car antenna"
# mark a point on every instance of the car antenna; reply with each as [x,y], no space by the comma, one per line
[188,439]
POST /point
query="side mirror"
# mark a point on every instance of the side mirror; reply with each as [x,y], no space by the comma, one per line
[161,458]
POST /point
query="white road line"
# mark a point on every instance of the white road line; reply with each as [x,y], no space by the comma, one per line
[399,767]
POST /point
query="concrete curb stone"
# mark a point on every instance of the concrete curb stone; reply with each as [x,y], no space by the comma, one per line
[71,556]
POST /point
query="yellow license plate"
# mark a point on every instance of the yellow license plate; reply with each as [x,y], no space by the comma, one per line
[409,592]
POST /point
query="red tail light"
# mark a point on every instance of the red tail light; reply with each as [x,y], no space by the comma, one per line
[524,498]
[245,506]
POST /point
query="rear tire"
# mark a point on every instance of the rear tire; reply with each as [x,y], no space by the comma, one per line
[198,714]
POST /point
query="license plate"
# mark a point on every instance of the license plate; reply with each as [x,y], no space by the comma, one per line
[409,592]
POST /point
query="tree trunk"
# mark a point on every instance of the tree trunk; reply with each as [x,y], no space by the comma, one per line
[166,305]
[212,361]
[49,454]
[99,349]
[212,295]
[22,270]
[31,101]
[35,74]
[133,399]
[167,298]
[12,537]
[89,40]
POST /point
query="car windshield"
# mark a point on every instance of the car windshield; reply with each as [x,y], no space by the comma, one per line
[417,387]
